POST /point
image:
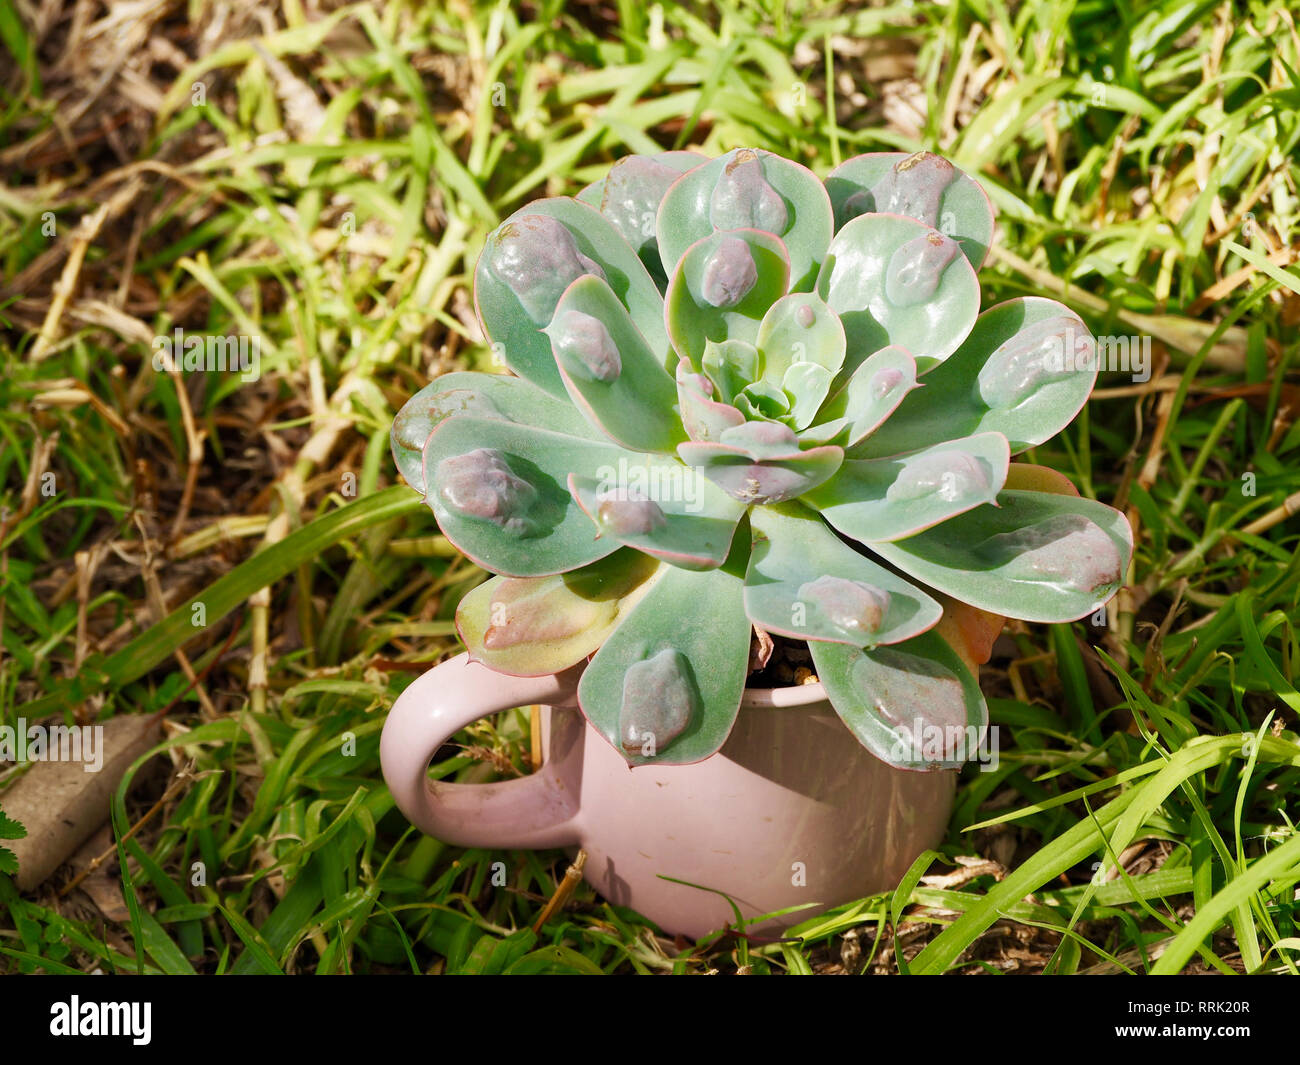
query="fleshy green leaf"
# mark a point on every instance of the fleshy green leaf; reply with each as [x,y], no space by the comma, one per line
[527,263]
[611,373]
[799,328]
[763,400]
[1009,376]
[500,494]
[749,189]
[705,418]
[866,400]
[662,508]
[722,288]
[629,196]
[760,462]
[922,186]
[531,626]
[915,705]
[894,281]
[806,385]
[731,365]
[665,688]
[1036,556]
[805,582]
[889,498]
[484,396]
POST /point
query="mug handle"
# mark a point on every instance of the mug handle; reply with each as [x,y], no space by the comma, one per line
[536,811]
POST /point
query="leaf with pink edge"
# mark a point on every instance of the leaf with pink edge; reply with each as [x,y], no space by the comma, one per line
[527,263]
[610,371]
[872,500]
[531,626]
[630,194]
[1035,556]
[665,687]
[500,494]
[1025,371]
[915,705]
[760,462]
[722,288]
[481,395]
[895,281]
[705,418]
[749,189]
[662,508]
[923,186]
[805,582]
[866,400]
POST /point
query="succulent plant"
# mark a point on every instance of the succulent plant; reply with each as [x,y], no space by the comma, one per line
[744,399]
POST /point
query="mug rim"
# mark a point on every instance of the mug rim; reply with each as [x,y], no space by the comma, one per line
[790,696]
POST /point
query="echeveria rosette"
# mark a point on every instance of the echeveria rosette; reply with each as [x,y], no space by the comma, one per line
[744,399]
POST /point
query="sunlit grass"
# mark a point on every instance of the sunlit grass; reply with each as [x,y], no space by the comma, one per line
[328,191]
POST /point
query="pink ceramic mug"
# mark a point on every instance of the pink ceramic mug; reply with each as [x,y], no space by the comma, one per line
[792,811]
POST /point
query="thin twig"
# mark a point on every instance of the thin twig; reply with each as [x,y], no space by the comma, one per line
[86,232]
[99,859]
[535,737]
[562,892]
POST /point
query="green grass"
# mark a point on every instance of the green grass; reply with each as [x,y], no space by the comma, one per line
[1142,815]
